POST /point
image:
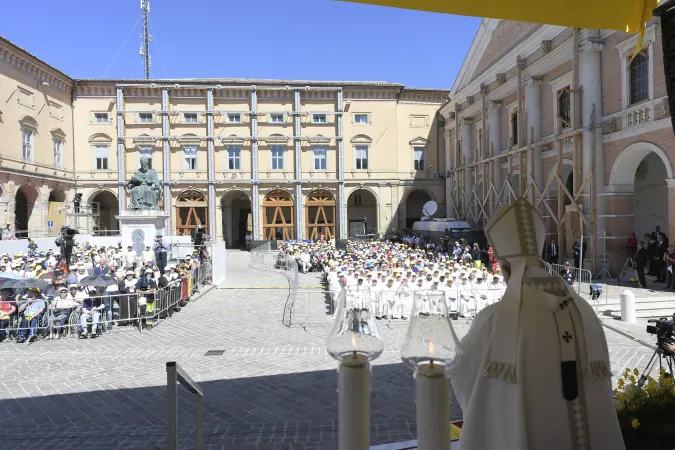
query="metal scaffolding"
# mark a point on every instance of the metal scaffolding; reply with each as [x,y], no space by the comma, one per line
[479,204]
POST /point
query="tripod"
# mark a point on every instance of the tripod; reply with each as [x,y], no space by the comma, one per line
[604,273]
[629,264]
[650,365]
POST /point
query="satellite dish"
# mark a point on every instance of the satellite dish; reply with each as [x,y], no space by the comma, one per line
[429,209]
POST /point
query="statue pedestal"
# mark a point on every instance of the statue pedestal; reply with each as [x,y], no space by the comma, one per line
[139,228]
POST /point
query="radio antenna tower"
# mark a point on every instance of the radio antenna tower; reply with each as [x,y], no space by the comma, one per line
[145,45]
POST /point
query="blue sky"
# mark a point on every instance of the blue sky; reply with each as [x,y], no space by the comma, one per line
[284,39]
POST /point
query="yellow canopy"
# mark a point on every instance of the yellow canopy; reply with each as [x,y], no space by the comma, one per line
[622,15]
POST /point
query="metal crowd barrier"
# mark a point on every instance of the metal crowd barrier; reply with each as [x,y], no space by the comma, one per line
[174,375]
[116,309]
[582,277]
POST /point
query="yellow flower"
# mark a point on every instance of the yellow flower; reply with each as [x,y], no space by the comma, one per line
[652,387]
[626,372]
[635,423]
[632,379]
[636,372]
[622,397]
[621,383]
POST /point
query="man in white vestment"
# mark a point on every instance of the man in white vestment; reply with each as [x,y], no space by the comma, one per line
[534,373]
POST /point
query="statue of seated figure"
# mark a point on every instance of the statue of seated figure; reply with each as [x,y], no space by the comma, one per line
[144,188]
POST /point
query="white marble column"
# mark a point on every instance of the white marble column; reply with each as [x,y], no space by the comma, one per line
[467,156]
[590,49]
[533,134]
[495,141]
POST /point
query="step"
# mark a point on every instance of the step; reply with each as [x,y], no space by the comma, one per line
[646,304]
[640,313]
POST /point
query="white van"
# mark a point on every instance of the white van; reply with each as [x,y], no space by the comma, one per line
[436,229]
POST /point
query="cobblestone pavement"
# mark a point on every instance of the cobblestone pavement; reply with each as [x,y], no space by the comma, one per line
[274,387]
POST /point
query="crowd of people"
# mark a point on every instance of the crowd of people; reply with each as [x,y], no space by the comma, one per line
[468,277]
[653,254]
[102,287]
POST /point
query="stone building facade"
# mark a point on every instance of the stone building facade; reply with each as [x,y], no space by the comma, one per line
[284,158]
[573,121]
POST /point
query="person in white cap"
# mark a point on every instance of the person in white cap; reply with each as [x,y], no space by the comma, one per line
[534,369]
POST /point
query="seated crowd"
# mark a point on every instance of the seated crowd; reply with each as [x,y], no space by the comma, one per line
[393,271]
[137,289]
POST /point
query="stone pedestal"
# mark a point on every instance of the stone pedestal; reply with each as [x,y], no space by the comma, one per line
[140,227]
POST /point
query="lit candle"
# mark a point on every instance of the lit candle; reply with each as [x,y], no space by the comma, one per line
[354,341]
[354,401]
[432,400]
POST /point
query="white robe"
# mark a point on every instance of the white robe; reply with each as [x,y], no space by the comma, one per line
[531,414]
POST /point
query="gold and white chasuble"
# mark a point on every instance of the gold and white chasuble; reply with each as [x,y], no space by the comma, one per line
[534,373]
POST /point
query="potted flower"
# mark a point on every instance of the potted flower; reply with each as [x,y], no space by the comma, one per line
[646,409]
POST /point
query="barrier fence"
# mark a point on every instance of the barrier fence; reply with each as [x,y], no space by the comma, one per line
[141,309]
[264,258]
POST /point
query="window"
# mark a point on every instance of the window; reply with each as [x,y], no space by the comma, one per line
[318,118]
[418,158]
[639,78]
[101,117]
[233,118]
[101,155]
[145,151]
[28,137]
[145,118]
[277,157]
[361,152]
[564,106]
[320,157]
[234,157]
[276,118]
[58,153]
[514,127]
[190,152]
[190,117]
[362,119]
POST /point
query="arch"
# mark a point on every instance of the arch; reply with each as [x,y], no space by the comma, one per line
[424,189]
[100,137]
[650,198]
[278,215]
[361,139]
[414,202]
[362,203]
[191,211]
[237,220]
[57,195]
[24,203]
[320,214]
[104,206]
[625,165]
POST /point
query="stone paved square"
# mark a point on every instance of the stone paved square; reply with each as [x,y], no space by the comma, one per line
[274,387]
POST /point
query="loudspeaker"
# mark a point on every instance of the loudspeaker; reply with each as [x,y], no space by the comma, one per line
[341,244]
[666,11]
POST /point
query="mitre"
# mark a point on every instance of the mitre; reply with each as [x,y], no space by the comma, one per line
[517,230]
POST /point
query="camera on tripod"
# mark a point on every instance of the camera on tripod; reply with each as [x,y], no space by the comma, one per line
[198,235]
[664,329]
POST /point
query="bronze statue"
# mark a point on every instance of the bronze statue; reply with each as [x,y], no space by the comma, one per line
[144,188]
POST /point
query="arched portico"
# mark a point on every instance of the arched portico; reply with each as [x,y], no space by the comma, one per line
[236,217]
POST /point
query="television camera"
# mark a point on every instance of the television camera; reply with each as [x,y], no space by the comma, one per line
[197,238]
[66,242]
[664,329]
